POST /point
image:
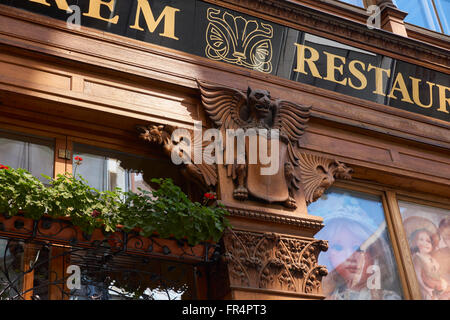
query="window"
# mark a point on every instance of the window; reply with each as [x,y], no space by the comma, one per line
[360,260]
[443,10]
[430,14]
[384,244]
[428,232]
[108,169]
[31,153]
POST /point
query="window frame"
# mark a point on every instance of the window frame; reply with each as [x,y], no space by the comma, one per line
[402,254]
[64,141]
[374,190]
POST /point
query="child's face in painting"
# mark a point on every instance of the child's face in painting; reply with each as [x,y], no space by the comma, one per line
[346,257]
[423,242]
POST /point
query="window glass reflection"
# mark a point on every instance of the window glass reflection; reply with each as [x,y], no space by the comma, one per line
[27,152]
[420,12]
[359,260]
[443,9]
[428,232]
[108,169]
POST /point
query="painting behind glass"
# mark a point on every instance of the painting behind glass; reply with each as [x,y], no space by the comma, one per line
[360,261]
[428,232]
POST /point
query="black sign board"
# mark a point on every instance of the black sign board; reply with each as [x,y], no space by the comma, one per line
[206,30]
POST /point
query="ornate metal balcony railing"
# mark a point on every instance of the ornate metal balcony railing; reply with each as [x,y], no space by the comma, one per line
[53,259]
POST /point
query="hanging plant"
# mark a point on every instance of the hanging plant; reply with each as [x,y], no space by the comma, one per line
[166,211]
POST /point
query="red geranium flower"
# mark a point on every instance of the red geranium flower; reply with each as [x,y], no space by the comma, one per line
[209,196]
[95,214]
[77,158]
[2,167]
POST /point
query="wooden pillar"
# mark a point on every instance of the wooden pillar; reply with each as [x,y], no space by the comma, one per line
[271,256]
[29,257]
[57,272]
[392,18]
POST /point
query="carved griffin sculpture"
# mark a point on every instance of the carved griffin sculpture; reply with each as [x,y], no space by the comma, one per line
[232,109]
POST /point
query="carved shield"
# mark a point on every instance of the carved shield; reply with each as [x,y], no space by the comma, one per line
[272,188]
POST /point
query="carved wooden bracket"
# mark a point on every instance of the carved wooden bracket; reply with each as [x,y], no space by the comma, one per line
[204,175]
[273,261]
[319,173]
[254,113]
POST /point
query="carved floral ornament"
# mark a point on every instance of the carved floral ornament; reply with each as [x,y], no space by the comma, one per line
[231,109]
[273,261]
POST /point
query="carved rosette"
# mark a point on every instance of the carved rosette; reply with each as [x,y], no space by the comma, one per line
[273,261]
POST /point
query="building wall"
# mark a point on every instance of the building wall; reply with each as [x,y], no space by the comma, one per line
[95,87]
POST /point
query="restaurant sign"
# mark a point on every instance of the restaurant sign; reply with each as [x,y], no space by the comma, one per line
[219,34]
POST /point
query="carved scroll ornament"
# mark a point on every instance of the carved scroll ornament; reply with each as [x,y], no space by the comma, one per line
[319,173]
[272,261]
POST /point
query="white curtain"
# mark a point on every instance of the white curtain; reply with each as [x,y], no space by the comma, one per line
[36,158]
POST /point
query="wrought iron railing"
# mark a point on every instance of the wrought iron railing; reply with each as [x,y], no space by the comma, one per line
[53,259]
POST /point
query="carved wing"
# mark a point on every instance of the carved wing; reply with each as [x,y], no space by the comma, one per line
[223,105]
[291,119]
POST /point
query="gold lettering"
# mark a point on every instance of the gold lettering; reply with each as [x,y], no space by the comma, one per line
[358,74]
[379,78]
[94,10]
[416,93]
[399,85]
[331,68]
[443,99]
[310,61]
[168,15]
[62,4]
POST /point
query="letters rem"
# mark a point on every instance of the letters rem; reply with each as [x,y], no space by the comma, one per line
[143,10]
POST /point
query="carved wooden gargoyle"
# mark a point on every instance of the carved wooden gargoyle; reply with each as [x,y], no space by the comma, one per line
[231,109]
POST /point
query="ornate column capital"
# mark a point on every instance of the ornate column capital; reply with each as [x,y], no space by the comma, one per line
[274,262]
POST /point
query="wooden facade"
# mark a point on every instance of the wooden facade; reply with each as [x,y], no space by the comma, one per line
[92,87]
